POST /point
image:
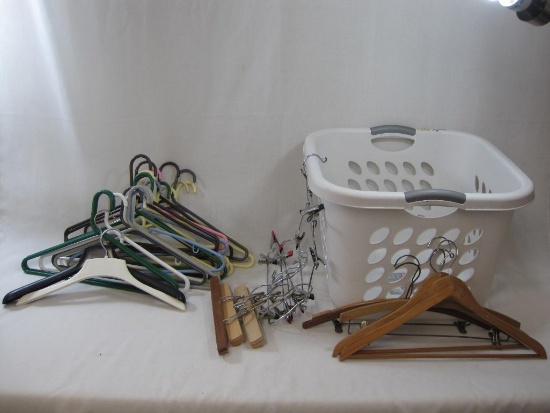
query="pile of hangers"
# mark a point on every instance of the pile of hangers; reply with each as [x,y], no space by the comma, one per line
[145,241]
[440,293]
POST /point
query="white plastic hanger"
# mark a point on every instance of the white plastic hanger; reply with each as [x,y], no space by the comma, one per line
[102,267]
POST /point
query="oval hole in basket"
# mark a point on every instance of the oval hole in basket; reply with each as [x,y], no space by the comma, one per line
[379,235]
[374,275]
[425,184]
[372,186]
[473,236]
[353,184]
[392,143]
[377,255]
[403,236]
[372,293]
[355,168]
[468,257]
[400,254]
[397,275]
[390,185]
[426,236]
[424,256]
[427,168]
[391,168]
[466,275]
[407,185]
[409,168]
[452,234]
[373,168]
[395,292]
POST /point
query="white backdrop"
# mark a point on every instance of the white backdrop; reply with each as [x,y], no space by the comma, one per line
[230,89]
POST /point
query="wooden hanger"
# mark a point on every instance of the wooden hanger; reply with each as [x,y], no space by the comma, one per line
[435,290]
[361,309]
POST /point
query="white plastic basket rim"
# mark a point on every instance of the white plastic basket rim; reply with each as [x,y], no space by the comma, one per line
[520,196]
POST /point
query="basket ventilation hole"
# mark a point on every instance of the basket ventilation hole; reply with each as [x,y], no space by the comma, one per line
[427,168]
[379,235]
[425,185]
[452,234]
[374,275]
[371,185]
[466,275]
[468,257]
[424,256]
[377,255]
[397,275]
[390,186]
[407,185]
[395,292]
[473,236]
[372,293]
[355,168]
[403,236]
[399,254]
[426,236]
[391,168]
[353,184]
[373,168]
[409,168]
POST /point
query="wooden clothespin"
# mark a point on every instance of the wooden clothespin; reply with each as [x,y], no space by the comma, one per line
[231,321]
[222,341]
[251,324]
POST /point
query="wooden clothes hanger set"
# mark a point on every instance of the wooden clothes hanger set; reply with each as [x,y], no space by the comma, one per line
[149,243]
[439,293]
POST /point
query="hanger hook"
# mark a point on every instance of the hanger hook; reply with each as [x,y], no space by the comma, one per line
[321,158]
[450,251]
[147,159]
[416,274]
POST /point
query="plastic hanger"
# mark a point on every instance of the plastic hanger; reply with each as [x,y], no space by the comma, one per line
[126,240]
[128,219]
[94,251]
[435,290]
[244,261]
[102,267]
[92,236]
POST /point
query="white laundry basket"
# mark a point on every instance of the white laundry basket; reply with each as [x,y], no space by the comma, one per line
[389,191]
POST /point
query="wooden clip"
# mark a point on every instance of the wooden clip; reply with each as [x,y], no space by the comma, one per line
[217,312]
[251,324]
[232,324]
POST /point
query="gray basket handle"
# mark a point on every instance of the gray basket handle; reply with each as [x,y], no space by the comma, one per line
[403,130]
[446,195]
